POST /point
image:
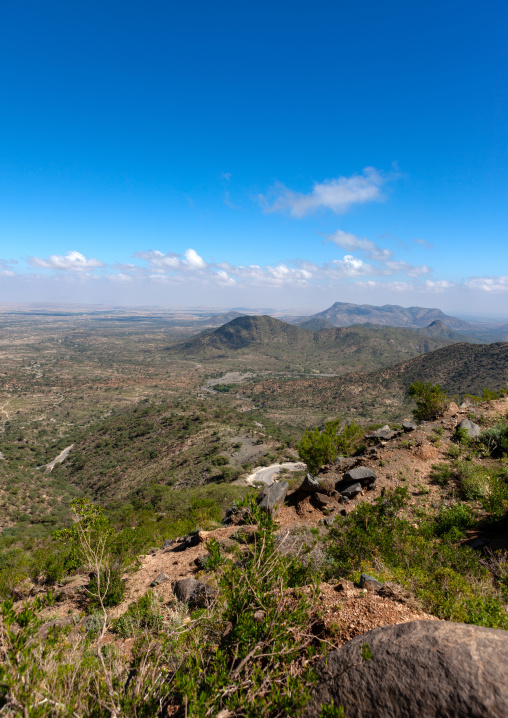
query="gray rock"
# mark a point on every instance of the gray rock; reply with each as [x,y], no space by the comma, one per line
[384,433]
[473,430]
[167,543]
[409,426]
[161,578]
[429,669]
[350,491]
[362,474]
[273,496]
[370,583]
[310,484]
[192,592]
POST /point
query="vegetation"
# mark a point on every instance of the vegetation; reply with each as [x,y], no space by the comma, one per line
[322,447]
[431,400]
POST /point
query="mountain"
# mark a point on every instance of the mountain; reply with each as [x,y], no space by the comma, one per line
[271,344]
[342,314]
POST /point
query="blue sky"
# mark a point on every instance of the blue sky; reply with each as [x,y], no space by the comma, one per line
[281,154]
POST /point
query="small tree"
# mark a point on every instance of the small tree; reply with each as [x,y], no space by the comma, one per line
[322,447]
[90,539]
[431,400]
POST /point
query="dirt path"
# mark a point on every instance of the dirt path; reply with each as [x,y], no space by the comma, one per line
[61,457]
[266,474]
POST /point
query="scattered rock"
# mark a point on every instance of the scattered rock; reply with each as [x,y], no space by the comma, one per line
[152,552]
[421,668]
[409,426]
[168,543]
[192,592]
[350,491]
[395,592]
[44,630]
[160,578]
[370,583]
[273,496]
[259,616]
[345,585]
[236,516]
[227,544]
[472,429]
[384,433]
[362,474]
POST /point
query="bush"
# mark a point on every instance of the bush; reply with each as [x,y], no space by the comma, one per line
[322,447]
[431,400]
[495,439]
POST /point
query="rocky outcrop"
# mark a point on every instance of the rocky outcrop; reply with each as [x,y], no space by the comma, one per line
[422,668]
[192,592]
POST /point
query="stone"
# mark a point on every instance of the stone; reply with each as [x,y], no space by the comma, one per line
[160,578]
[310,484]
[427,669]
[321,500]
[344,585]
[192,592]
[370,583]
[152,552]
[273,496]
[168,543]
[350,491]
[362,474]
[384,433]
[409,426]
[472,429]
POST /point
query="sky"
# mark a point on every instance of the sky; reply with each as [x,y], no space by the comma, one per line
[270,154]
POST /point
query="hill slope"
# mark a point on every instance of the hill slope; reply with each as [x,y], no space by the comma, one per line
[341,349]
[343,314]
[460,369]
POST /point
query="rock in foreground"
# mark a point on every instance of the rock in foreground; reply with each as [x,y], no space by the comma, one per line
[422,668]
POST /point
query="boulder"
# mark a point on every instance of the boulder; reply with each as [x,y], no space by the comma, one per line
[427,669]
[384,433]
[409,426]
[473,430]
[351,490]
[160,578]
[310,484]
[362,475]
[273,496]
[192,592]
[370,583]
[168,543]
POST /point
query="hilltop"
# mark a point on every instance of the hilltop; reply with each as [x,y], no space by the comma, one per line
[343,314]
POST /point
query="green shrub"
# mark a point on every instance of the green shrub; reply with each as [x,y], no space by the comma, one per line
[431,400]
[495,440]
[322,447]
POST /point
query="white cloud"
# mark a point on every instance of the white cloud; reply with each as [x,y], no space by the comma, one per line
[193,260]
[424,243]
[351,242]
[71,262]
[400,267]
[488,284]
[159,261]
[439,285]
[224,279]
[338,194]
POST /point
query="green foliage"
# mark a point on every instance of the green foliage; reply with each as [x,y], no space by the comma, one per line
[448,578]
[322,447]
[331,711]
[115,589]
[247,671]
[144,614]
[431,400]
[495,440]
